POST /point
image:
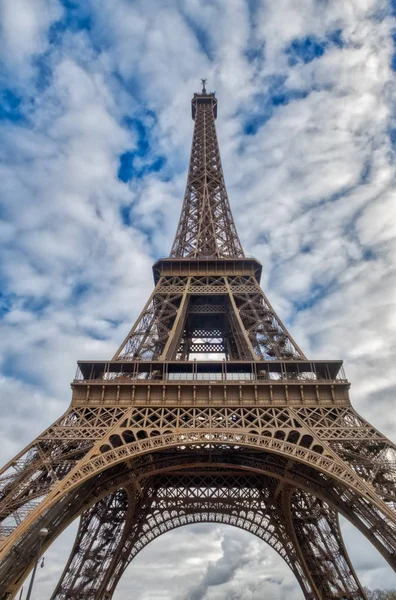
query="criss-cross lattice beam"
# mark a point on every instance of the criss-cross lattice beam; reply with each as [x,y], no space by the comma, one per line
[314,527]
[328,438]
[313,549]
[348,502]
[100,529]
[168,502]
[254,508]
[206,227]
[170,328]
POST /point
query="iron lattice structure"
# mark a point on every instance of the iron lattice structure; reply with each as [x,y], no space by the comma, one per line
[253,434]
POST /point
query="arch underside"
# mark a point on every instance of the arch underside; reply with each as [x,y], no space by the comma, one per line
[278,452]
[284,478]
[303,530]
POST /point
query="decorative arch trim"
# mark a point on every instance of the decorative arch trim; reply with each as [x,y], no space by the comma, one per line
[94,463]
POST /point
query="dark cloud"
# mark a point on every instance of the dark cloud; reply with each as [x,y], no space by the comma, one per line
[224,569]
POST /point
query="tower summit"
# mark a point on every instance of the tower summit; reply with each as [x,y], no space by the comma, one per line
[207,412]
[206,227]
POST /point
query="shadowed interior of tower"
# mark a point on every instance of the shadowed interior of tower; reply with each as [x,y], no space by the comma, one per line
[205,331]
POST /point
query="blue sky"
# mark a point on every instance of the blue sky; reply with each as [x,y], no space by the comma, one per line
[96,130]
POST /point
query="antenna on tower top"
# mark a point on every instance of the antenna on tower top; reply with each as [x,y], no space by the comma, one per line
[203,86]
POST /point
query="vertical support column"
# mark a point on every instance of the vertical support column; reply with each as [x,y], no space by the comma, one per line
[317,536]
[172,345]
[248,350]
[99,534]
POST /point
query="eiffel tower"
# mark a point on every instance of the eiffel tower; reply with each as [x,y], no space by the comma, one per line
[208,412]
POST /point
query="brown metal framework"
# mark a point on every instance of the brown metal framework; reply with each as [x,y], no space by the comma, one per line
[208,412]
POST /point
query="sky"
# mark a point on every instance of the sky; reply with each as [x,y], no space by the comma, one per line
[96,131]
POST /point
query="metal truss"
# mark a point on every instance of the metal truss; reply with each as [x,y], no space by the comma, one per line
[313,548]
[254,435]
[213,314]
[316,531]
[304,438]
[206,227]
[100,530]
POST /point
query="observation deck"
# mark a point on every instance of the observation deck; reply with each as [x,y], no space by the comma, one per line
[204,98]
[211,266]
[211,383]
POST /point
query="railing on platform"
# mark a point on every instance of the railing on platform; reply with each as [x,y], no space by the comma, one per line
[226,371]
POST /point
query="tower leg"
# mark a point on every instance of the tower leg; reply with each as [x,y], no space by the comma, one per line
[318,540]
[99,534]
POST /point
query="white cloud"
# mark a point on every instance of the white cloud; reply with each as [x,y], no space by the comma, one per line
[24,29]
